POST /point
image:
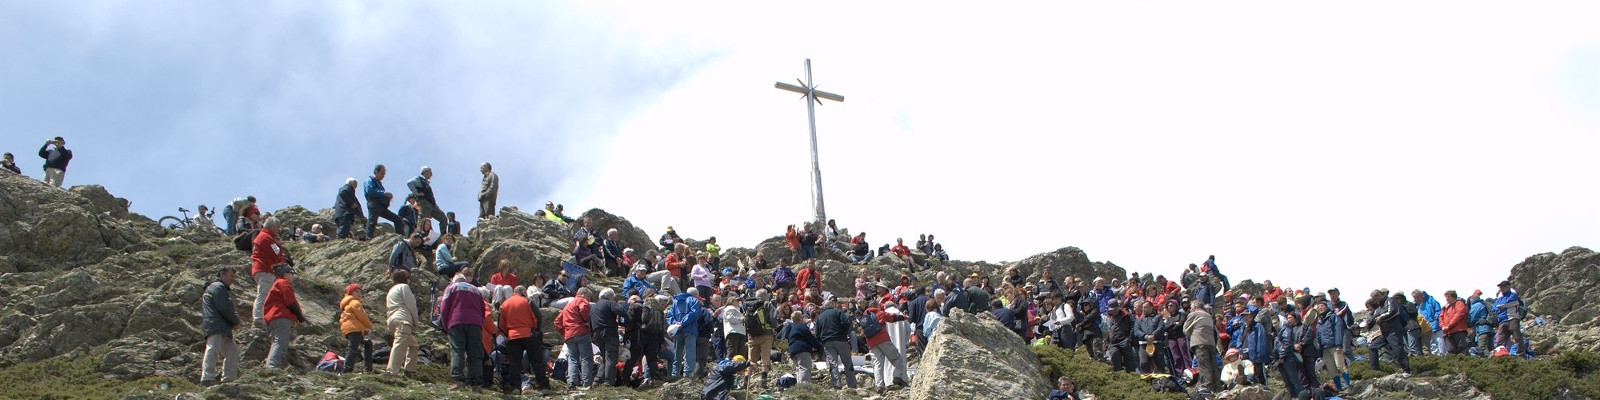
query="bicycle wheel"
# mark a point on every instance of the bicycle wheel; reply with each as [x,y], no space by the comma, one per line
[171,222]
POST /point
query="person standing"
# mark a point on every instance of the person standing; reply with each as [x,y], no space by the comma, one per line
[378,201]
[265,258]
[604,316]
[884,354]
[652,333]
[345,208]
[55,160]
[218,322]
[761,322]
[282,314]
[422,187]
[1510,312]
[833,329]
[683,325]
[802,345]
[488,192]
[1331,332]
[573,322]
[356,327]
[1482,323]
[1202,332]
[1391,317]
[520,322]
[1290,341]
[10,164]
[1453,320]
[461,312]
[402,321]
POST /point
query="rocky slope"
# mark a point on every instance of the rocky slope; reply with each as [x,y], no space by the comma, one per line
[81,277]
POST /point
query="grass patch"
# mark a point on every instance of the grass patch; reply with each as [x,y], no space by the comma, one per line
[1094,376]
[1507,377]
[59,378]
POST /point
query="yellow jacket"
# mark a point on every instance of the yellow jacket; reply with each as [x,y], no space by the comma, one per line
[353,317]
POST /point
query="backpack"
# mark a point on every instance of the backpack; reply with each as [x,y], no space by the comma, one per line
[759,321]
[244,241]
[331,362]
[869,324]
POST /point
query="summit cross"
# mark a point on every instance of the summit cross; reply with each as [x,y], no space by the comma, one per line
[808,89]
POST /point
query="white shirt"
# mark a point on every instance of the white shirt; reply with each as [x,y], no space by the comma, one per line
[732,320]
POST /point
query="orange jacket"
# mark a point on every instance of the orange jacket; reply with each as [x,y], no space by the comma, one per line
[792,239]
[807,278]
[489,330]
[517,318]
[352,316]
[675,265]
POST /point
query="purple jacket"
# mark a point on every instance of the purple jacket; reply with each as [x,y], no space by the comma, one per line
[462,305]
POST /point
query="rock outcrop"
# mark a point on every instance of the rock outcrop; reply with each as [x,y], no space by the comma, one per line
[1565,286]
[1394,387]
[974,354]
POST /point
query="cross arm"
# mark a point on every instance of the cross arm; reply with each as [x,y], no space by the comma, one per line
[802,90]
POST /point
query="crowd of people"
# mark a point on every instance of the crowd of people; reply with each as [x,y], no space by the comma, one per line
[682,314]
[1150,325]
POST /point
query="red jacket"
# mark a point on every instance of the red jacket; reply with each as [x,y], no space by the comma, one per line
[808,277]
[1272,294]
[265,252]
[675,265]
[504,279]
[574,320]
[279,302]
[883,319]
[517,318]
[1453,318]
[489,330]
[901,250]
[792,239]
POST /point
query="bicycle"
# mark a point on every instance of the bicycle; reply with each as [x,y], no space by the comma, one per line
[179,224]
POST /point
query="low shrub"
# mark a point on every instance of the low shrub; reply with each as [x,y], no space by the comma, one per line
[1094,376]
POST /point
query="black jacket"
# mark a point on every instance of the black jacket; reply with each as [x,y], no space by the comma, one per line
[216,310]
[13,168]
[1121,329]
[346,202]
[1007,319]
[834,326]
[57,158]
[603,316]
[1150,325]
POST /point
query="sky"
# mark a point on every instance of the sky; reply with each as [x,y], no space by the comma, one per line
[1425,145]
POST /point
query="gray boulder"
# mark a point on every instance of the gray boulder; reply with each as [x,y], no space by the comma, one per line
[976,355]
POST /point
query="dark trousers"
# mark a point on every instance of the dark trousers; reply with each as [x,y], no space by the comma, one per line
[344,220]
[375,213]
[1394,343]
[609,352]
[1290,368]
[466,354]
[1123,358]
[647,351]
[357,342]
[1308,369]
[1458,342]
[526,350]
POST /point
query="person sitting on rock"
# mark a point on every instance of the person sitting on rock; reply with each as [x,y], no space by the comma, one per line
[808,277]
[860,252]
[408,216]
[903,253]
[219,320]
[282,312]
[637,283]
[560,211]
[452,226]
[809,241]
[1235,370]
[403,255]
[10,164]
[315,235]
[444,259]
[611,250]
[355,326]
[782,277]
[503,283]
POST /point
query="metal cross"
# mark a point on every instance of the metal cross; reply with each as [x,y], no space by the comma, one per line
[808,89]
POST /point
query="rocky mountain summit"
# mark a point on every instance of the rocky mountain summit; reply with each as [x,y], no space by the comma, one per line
[81,278]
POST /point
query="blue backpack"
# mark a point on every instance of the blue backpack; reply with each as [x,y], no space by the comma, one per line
[869,324]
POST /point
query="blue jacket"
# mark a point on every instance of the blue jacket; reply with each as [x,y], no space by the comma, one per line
[800,339]
[685,310]
[1476,315]
[1104,297]
[1331,331]
[1257,346]
[376,196]
[1507,303]
[634,283]
[1429,308]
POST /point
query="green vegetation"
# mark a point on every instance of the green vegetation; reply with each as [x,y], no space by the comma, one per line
[59,378]
[1507,377]
[1094,376]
